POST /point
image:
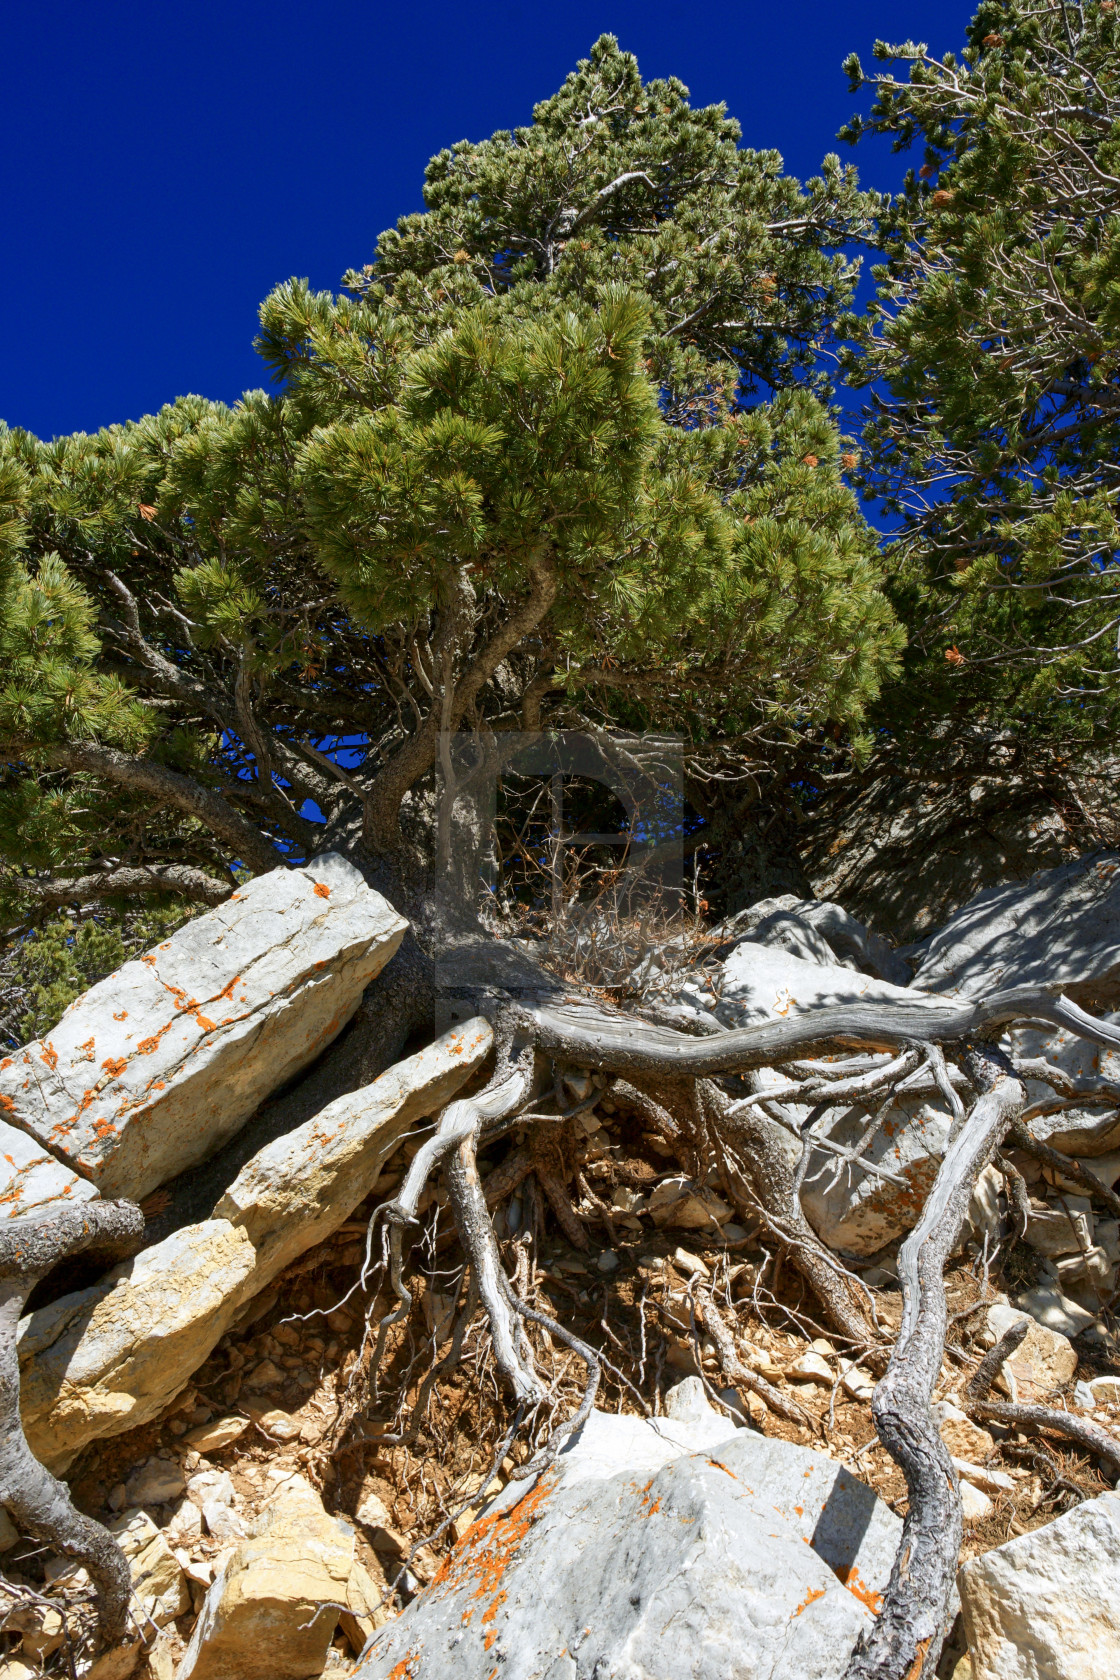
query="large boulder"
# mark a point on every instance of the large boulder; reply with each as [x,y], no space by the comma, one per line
[1060,928]
[151,1070]
[820,931]
[749,1557]
[109,1357]
[1046,1606]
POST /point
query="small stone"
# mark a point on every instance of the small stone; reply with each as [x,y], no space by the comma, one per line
[265,1375]
[210,1485]
[66,1570]
[1083,1396]
[221,1522]
[823,1347]
[1105,1390]
[119,1663]
[682,1202]
[212,1437]
[155,1482]
[992,1481]
[761,1360]
[690,1263]
[857,1382]
[1056,1231]
[1042,1363]
[963,1438]
[975,1503]
[1055,1311]
[374,1512]
[157,1579]
[811,1367]
[281,1426]
[607,1261]
[185,1525]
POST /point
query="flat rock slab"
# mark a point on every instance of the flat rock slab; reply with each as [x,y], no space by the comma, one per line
[1046,1606]
[1063,926]
[698,1569]
[30,1178]
[154,1068]
[110,1357]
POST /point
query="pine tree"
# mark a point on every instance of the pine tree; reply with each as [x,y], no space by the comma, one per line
[994,350]
[561,453]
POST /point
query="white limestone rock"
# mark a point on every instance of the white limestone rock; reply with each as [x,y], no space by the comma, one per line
[859,1212]
[151,1070]
[765,983]
[690,1570]
[30,1178]
[1041,1366]
[110,1357]
[1046,1606]
[1062,926]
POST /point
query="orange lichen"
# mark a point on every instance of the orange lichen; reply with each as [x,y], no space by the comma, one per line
[50,1056]
[321,891]
[859,1589]
[810,1598]
[919,1660]
[123,1016]
[489,1547]
[114,1065]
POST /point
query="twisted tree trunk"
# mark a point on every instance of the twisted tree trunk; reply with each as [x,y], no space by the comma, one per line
[39,1503]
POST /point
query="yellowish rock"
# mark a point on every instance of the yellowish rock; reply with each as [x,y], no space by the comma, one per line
[281,1426]
[811,1367]
[272,1611]
[212,1437]
[108,1358]
[963,1438]
[1043,1363]
[157,1578]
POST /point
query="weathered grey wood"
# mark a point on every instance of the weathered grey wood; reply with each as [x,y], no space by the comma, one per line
[1033,1418]
[38,1502]
[593,1036]
[910,1630]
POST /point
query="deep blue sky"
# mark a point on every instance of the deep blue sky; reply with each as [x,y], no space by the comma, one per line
[165,165]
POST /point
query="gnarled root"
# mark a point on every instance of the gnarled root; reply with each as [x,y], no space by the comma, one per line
[1031,1419]
[38,1501]
[908,1634]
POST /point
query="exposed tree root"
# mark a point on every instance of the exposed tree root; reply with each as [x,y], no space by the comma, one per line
[1021,1138]
[39,1503]
[906,1640]
[1083,1431]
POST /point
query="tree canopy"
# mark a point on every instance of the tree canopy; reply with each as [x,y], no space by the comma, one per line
[562,452]
[993,353]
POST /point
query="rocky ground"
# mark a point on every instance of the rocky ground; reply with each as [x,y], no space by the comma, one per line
[283,1402]
[312,1472]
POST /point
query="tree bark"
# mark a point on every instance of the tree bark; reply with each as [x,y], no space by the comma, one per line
[38,1501]
[906,1640]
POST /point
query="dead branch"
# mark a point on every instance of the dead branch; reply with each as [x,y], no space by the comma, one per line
[733,1368]
[1085,1433]
[1019,1135]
